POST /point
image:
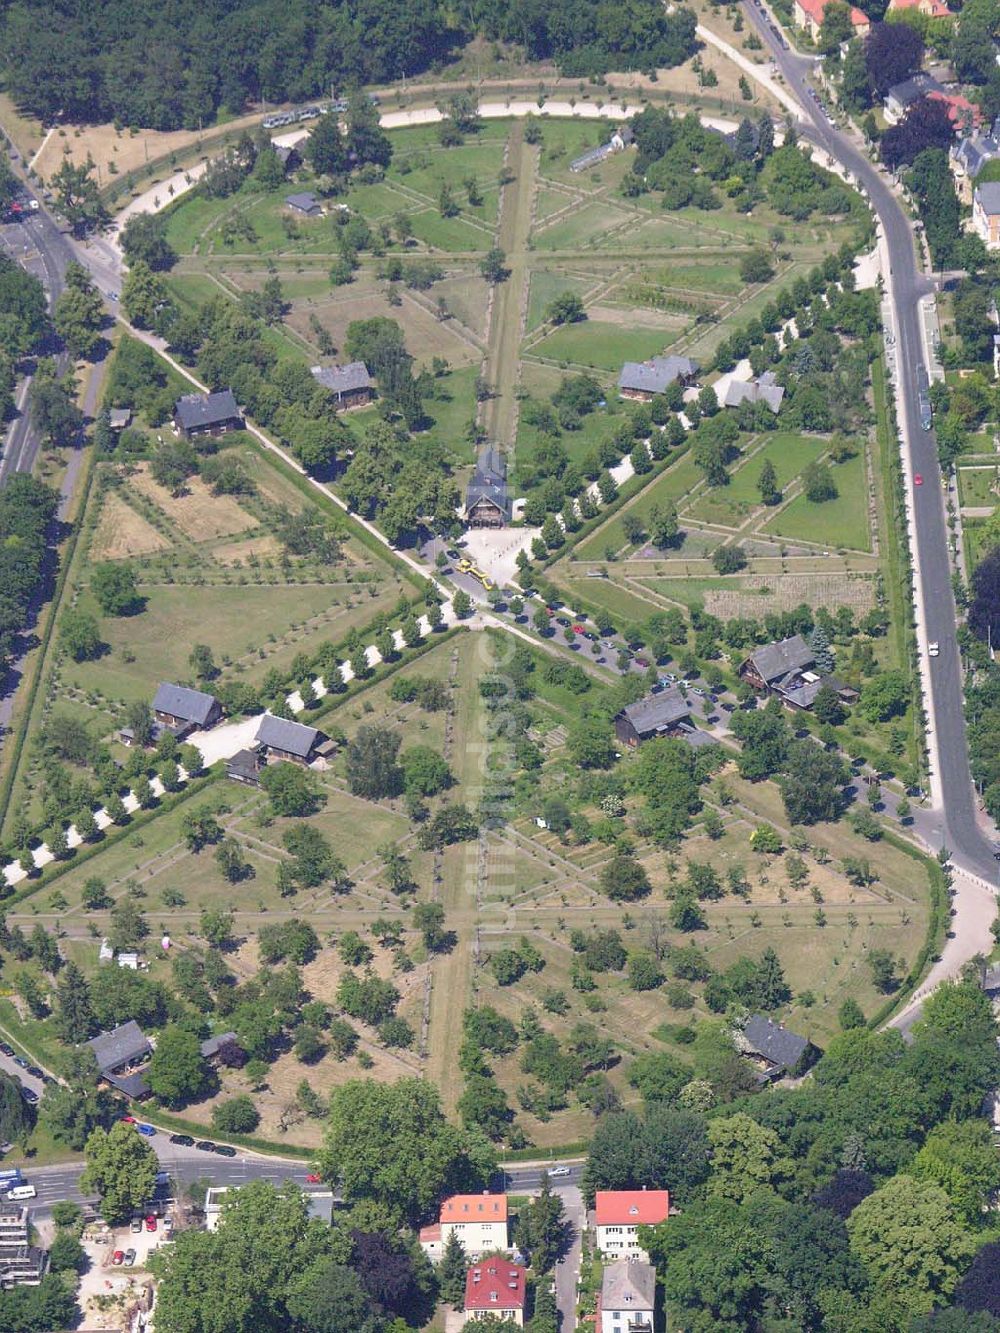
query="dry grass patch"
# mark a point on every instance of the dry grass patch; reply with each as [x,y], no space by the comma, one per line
[199,514]
[264,547]
[784,592]
[121,532]
[127,149]
[426,336]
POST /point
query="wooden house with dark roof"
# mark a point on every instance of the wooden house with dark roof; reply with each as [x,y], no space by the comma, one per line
[487,501]
[181,709]
[661,714]
[207,414]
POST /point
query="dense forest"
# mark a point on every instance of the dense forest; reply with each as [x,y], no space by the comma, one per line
[165,66]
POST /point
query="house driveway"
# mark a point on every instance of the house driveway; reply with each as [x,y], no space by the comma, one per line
[224,741]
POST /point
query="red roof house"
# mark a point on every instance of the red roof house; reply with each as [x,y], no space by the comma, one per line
[495,1287]
[619,1213]
[478,1220]
[963,114]
[935,9]
[808,14]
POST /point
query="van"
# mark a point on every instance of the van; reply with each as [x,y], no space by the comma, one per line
[21,1192]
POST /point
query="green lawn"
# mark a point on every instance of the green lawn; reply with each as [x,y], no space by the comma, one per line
[729,505]
[449,233]
[842,522]
[582,228]
[452,413]
[974,540]
[977,486]
[547,284]
[672,484]
[603,345]
[233,620]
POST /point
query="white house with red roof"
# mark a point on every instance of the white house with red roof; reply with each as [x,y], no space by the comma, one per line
[619,1213]
[934,9]
[495,1288]
[480,1222]
[808,14]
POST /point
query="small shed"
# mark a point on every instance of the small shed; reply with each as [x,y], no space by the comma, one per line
[119,418]
[245,766]
[305,203]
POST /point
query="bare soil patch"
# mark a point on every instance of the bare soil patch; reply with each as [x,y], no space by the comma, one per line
[199,514]
[121,532]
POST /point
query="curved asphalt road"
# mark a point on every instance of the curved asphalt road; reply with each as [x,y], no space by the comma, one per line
[959,829]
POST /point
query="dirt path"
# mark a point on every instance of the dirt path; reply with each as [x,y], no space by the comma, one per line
[511,297]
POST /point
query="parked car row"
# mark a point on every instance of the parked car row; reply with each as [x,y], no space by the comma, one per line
[298,113]
[202,1145]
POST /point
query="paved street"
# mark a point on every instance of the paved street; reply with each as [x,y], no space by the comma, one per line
[959,828]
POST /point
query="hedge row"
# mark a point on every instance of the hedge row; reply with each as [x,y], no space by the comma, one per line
[17,741]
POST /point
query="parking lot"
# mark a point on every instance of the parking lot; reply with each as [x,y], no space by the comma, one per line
[104,1279]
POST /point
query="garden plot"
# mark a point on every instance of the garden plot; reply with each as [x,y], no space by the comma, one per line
[121,532]
[199,514]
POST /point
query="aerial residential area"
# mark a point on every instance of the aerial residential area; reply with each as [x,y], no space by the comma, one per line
[500,723]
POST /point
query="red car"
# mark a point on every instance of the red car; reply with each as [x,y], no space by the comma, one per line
[151,1222]
[579,629]
[917,479]
[118,1257]
[313,1179]
[128,1120]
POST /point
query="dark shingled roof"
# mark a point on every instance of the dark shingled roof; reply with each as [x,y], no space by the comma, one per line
[775,660]
[988,197]
[202,411]
[489,481]
[657,712]
[305,202]
[245,762]
[177,700]
[293,737]
[211,1046]
[123,1045]
[343,379]
[804,694]
[774,1042]
[655,375]
[132,1085]
[911,90]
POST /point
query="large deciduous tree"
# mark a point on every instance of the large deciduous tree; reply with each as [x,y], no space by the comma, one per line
[121,1167]
[392,1144]
[911,1242]
[177,1072]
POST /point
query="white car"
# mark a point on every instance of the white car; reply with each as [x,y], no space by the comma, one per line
[933,649]
[558,1171]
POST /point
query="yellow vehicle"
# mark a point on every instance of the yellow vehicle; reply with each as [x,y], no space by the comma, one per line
[465,565]
[480,577]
